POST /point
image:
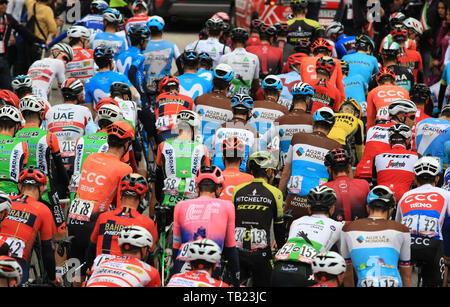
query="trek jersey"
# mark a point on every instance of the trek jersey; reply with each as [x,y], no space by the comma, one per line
[432,134]
[376,248]
[233,177]
[27,218]
[394,169]
[68,122]
[351,198]
[82,65]
[167,107]
[345,45]
[159,56]
[270,59]
[253,40]
[306,156]
[43,73]
[13,157]
[197,278]
[193,86]
[214,110]
[98,86]
[246,68]
[112,40]
[289,80]
[212,46]
[379,99]
[325,95]
[423,210]
[404,77]
[348,130]
[109,225]
[322,231]
[413,60]
[363,64]
[204,217]
[123,271]
[356,88]
[257,205]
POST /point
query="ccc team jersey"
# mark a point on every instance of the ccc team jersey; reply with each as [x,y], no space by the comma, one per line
[233,177]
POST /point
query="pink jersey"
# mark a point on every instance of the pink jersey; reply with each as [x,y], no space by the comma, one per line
[204,217]
[195,279]
[124,272]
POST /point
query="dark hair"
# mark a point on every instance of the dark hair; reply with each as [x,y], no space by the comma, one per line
[154,31]
[256,170]
[233,159]
[129,248]
[102,63]
[379,204]
[220,84]
[21,92]
[339,168]
[114,141]
[7,124]
[271,92]
[27,115]
[322,125]
[446,112]
[74,41]
[425,179]
[214,32]
[298,99]
[103,123]
[207,186]
[240,111]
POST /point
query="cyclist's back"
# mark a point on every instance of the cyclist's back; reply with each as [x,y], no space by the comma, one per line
[212,46]
[13,159]
[98,86]
[233,178]
[195,278]
[404,77]
[43,73]
[192,85]
[361,63]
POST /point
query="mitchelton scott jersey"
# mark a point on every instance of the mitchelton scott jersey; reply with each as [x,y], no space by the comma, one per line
[376,248]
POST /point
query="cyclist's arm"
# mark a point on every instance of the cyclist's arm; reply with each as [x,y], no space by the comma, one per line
[231,254]
[348,276]
[406,274]
[374,172]
[285,175]
[48,259]
[61,171]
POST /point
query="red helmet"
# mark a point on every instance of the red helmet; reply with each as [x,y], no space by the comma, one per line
[8,97]
[213,173]
[399,30]
[326,63]
[106,100]
[134,185]
[294,59]
[233,147]
[32,175]
[121,129]
[168,81]
[385,72]
[321,43]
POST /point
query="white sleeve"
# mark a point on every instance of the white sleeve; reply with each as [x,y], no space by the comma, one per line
[227,50]
[256,75]
[289,155]
[60,74]
[343,247]
[176,51]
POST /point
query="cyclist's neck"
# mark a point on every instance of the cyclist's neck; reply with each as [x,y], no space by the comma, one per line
[8,132]
[207,194]
[31,192]
[271,98]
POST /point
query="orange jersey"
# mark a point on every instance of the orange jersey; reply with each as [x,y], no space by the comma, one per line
[27,218]
[233,178]
[379,99]
[111,223]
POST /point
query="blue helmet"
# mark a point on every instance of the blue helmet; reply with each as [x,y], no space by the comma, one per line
[272,82]
[302,88]
[138,31]
[242,101]
[224,72]
[156,21]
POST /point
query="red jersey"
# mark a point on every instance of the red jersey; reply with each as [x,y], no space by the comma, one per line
[82,65]
[287,68]
[233,178]
[325,95]
[27,218]
[111,223]
[253,40]
[139,19]
[411,59]
[167,107]
[270,58]
[195,279]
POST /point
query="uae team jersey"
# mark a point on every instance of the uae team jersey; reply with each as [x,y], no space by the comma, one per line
[42,74]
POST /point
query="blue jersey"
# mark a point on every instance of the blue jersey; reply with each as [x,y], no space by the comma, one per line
[433,139]
[132,57]
[356,88]
[345,45]
[446,75]
[361,63]
[205,74]
[98,86]
[193,86]
[116,42]
[289,80]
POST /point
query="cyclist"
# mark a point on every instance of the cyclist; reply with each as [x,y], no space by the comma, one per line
[68,121]
[109,37]
[203,256]
[191,84]
[304,168]
[394,168]
[355,88]
[270,57]
[423,210]
[329,268]
[27,218]
[130,269]
[22,85]
[377,263]
[211,45]
[398,19]
[344,44]
[408,57]
[45,153]
[233,150]
[421,95]
[351,193]
[82,65]
[415,30]
[238,126]
[5,208]
[254,32]
[159,54]
[381,97]
[348,129]
[204,66]
[289,79]
[10,272]
[213,219]
[8,97]
[214,108]
[43,72]
[281,36]
[244,64]
[15,155]
[140,17]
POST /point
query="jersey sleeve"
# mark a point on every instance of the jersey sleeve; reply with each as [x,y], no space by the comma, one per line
[60,74]
[230,240]
[47,227]
[25,153]
[94,235]
[176,51]
[279,206]
[88,94]
[159,154]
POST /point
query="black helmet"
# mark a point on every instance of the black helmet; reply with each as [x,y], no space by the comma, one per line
[337,157]
[214,24]
[239,34]
[268,30]
[295,4]
[120,88]
[363,41]
[138,31]
[103,54]
[205,59]
[381,197]
[190,57]
[321,198]
[420,91]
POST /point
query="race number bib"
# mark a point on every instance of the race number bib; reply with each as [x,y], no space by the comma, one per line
[257,237]
[422,225]
[190,190]
[295,184]
[383,114]
[16,247]
[68,146]
[81,210]
[182,253]
[171,185]
[383,281]
[285,251]
[164,123]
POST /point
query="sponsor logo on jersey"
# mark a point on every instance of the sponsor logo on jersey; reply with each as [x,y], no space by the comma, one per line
[397,164]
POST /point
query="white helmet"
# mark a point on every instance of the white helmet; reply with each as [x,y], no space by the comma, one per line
[400,129]
[21,81]
[78,31]
[334,28]
[135,236]
[112,15]
[204,249]
[427,166]
[32,103]
[412,23]
[110,112]
[405,106]
[190,117]
[63,47]
[5,202]
[12,113]
[10,268]
[329,262]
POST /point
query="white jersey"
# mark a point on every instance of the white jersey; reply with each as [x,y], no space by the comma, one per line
[212,46]
[317,228]
[129,109]
[42,74]
[68,121]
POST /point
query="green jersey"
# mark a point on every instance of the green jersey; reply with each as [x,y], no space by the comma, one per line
[13,156]
[298,250]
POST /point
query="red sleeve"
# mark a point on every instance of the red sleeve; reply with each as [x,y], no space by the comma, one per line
[159,154]
[25,153]
[47,227]
[53,142]
[94,235]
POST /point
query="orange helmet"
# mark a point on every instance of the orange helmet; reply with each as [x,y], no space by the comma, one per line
[32,175]
[384,73]
[121,129]
[167,81]
[233,147]
[105,100]
[8,97]
[321,43]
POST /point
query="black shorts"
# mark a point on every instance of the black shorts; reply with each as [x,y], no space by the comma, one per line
[257,265]
[292,274]
[430,254]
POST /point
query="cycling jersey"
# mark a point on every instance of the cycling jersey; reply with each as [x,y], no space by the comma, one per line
[13,157]
[394,169]
[233,177]
[98,86]
[349,132]
[205,74]
[379,99]
[212,46]
[42,74]
[345,45]
[124,272]
[287,67]
[246,69]
[301,29]
[409,43]
[325,95]
[270,59]
[431,137]
[420,115]
[214,110]
[197,278]
[193,86]
[138,19]
[129,109]
[413,60]
[68,122]
[82,65]
[289,80]
[131,56]
[112,40]
[351,198]
[363,64]
[356,88]
[404,77]
[376,248]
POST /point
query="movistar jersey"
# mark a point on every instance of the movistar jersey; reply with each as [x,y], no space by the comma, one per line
[98,86]
[193,85]
[345,45]
[116,42]
[206,74]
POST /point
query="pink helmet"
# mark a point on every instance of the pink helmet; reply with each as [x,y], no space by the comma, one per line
[213,173]
[222,15]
